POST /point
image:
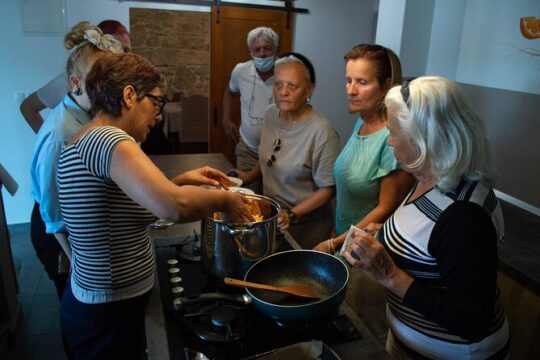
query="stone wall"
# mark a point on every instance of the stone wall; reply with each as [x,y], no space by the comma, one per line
[178,43]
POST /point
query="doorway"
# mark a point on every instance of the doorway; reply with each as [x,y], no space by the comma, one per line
[196,53]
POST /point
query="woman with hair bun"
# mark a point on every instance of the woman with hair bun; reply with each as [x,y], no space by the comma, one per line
[50,94]
[87,44]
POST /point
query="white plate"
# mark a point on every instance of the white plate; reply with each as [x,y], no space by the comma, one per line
[242,190]
[237,182]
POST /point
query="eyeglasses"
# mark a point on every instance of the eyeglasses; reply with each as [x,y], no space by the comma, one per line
[159,103]
[406,92]
[277,147]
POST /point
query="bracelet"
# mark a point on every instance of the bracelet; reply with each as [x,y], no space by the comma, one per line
[331,242]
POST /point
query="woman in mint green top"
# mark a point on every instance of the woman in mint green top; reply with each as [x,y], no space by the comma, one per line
[369,184]
[358,170]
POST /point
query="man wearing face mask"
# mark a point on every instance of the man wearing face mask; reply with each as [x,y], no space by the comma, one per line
[253,81]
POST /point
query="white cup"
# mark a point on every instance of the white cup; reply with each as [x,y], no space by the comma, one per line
[346,247]
[349,240]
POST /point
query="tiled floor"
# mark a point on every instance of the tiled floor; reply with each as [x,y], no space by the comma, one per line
[38,335]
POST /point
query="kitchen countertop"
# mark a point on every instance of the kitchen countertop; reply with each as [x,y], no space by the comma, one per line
[368,347]
[520,251]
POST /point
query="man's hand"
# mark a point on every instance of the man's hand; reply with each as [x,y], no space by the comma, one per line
[231,131]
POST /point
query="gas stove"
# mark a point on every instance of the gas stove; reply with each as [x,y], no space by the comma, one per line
[224,326]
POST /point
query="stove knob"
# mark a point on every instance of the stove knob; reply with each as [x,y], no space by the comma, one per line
[177,291]
[175,280]
[172,263]
[174,271]
[177,304]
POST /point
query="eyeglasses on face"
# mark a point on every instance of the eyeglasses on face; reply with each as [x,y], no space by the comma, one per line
[159,102]
[277,147]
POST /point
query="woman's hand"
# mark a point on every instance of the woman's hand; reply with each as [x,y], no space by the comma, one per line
[326,246]
[204,176]
[242,175]
[283,220]
[237,211]
[368,254]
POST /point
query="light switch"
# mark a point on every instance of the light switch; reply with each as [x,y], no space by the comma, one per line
[19,96]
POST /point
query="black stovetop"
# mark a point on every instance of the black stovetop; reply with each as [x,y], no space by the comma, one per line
[256,333]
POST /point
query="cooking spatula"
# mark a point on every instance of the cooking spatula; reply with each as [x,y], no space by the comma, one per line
[295,289]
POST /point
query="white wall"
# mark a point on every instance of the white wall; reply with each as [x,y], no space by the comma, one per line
[29,61]
[390,24]
[470,41]
[325,40]
[445,39]
[490,53]
[416,37]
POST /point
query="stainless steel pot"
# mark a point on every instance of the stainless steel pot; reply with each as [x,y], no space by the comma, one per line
[231,249]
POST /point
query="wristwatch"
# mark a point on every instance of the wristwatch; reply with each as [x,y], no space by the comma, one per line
[293,218]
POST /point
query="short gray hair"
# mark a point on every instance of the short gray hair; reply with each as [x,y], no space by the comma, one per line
[296,58]
[445,130]
[264,32]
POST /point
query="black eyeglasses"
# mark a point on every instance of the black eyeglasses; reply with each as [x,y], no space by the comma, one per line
[159,102]
[406,92]
[277,147]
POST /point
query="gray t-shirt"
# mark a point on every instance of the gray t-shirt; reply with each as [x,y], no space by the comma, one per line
[304,164]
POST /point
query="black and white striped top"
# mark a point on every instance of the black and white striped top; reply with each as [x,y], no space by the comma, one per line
[448,244]
[113,257]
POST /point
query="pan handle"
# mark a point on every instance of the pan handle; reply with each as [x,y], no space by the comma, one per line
[181,302]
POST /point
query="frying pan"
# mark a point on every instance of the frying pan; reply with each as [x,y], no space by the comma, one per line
[326,273]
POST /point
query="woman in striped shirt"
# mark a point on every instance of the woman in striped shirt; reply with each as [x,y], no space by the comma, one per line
[109,192]
[437,254]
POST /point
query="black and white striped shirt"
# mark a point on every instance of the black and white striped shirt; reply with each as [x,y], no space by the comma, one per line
[113,257]
[448,243]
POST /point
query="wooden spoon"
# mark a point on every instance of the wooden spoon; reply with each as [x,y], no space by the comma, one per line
[295,289]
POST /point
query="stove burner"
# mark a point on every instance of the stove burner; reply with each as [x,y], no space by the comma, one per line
[223,316]
[221,323]
[224,329]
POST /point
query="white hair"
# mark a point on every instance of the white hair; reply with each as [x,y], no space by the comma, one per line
[291,59]
[264,32]
[445,130]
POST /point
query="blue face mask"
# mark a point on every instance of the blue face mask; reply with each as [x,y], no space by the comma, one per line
[264,64]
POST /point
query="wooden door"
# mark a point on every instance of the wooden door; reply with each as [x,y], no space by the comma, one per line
[229,47]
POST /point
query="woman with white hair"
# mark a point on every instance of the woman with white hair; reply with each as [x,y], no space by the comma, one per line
[437,254]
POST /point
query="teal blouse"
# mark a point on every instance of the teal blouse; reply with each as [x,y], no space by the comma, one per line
[358,170]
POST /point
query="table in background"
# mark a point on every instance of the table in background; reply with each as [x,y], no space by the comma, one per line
[172,123]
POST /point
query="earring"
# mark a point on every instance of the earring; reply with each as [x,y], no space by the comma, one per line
[77,91]
[308,100]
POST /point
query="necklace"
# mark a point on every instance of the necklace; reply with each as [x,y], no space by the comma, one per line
[256,117]
[283,129]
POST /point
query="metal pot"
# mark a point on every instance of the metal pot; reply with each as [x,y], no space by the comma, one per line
[324,272]
[231,249]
